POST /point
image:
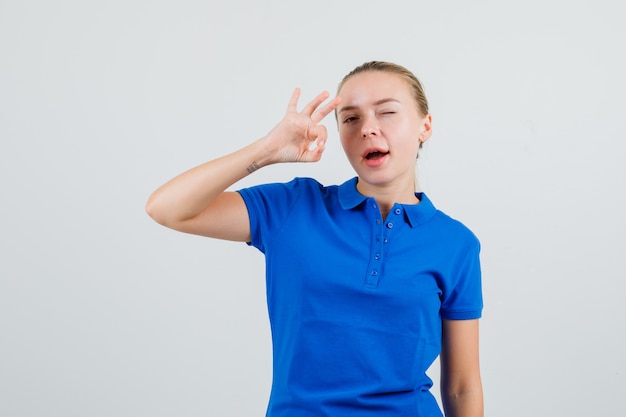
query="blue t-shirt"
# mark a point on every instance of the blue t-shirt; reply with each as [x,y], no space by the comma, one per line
[355,302]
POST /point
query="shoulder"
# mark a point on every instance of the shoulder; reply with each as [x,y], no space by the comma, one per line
[297,191]
[450,228]
[456,227]
[297,182]
[295,186]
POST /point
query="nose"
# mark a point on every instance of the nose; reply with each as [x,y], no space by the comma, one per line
[369,128]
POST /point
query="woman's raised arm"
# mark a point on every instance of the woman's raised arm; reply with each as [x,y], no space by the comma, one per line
[196,201]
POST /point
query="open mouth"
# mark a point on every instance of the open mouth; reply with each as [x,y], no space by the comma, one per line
[375,155]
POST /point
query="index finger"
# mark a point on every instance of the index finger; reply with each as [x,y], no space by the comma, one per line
[310,108]
[319,114]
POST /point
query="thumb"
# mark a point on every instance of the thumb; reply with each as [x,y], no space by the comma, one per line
[317,144]
[321,133]
[321,136]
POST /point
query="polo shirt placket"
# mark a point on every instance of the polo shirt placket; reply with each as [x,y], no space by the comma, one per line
[381,238]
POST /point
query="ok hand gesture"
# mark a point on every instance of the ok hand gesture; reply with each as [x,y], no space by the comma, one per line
[299,137]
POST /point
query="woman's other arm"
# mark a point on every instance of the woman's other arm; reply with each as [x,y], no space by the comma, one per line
[461,386]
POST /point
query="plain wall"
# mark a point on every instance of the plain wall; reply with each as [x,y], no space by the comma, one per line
[103,312]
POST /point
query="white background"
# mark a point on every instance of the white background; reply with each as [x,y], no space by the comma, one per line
[105,313]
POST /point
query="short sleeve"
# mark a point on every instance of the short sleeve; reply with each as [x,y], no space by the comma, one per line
[462,297]
[268,206]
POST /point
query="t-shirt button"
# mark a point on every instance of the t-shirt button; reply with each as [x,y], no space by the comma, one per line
[374,272]
[398,211]
[389,225]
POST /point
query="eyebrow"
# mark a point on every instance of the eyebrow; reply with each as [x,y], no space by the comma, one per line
[376,103]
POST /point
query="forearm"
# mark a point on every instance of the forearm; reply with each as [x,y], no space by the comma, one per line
[187,195]
[461,386]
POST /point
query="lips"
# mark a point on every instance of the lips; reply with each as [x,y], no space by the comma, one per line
[375,157]
[374,153]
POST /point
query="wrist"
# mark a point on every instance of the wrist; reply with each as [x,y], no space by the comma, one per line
[258,156]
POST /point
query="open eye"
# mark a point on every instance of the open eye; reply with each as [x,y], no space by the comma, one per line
[349,119]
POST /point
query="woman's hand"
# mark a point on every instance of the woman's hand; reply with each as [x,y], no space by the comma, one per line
[299,137]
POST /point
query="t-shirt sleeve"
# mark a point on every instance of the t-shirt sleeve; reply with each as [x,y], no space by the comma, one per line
[462,296]
[268,207]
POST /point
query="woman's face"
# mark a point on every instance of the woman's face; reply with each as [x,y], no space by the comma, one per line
[381,128]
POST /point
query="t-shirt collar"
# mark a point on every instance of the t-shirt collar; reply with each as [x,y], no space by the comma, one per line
[415,214]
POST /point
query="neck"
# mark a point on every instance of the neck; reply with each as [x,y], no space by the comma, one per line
[387,196]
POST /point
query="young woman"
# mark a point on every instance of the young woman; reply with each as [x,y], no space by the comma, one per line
[367,282]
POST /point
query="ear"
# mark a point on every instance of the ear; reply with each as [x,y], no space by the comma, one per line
[426,128]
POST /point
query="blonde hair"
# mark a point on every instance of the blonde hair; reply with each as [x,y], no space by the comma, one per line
[405,74]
